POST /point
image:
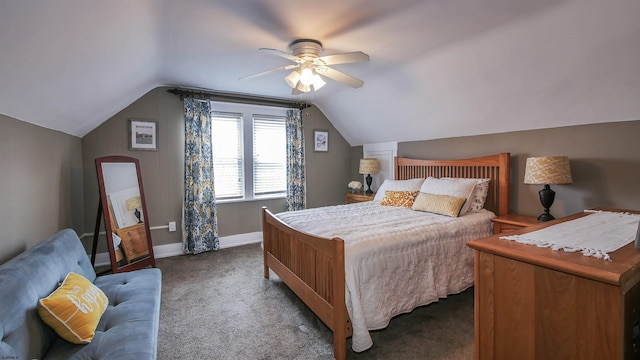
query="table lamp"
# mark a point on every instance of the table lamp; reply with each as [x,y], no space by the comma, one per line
[369,166]
[547,170]
[133,204]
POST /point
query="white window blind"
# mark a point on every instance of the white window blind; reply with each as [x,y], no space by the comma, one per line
[228,159]
[269,155]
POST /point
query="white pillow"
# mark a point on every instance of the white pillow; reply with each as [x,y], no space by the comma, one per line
[458,187]
[479,194]
[398,185]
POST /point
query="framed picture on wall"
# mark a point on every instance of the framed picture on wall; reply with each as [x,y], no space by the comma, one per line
[320,140]
[143,135]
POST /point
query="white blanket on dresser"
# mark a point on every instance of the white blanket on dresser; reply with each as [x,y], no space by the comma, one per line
[396,259]
[595,235]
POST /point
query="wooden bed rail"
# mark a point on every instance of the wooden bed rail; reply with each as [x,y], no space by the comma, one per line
[313,268]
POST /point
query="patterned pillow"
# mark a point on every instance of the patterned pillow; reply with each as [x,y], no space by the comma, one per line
[74,309]
[399,198]
[480,195]
[439,204]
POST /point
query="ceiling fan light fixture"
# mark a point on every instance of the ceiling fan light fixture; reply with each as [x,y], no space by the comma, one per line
[317,82]
[306,76]
[292,79]
[303,88]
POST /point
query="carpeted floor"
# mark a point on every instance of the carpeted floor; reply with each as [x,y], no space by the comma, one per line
[217,305]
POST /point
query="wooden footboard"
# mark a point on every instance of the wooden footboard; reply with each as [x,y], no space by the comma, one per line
[313,268]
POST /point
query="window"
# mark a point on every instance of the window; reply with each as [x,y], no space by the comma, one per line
[269,155]
[227,148]
[249,151]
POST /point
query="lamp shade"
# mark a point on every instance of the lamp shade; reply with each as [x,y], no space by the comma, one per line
[317,82]
[292,79]
[548,170]
[133,203]
[369,166]
[302,87]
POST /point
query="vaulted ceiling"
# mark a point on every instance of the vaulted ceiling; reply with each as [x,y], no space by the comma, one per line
[438,69]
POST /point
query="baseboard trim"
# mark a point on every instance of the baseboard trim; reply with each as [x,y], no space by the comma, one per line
[240,239]
[174,249]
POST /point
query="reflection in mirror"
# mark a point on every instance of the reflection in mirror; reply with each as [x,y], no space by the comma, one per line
[125,216]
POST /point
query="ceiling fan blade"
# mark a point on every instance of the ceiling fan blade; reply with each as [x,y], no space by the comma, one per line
[346,58]
[288,67]
[264,16]
[283,54]
[340,76]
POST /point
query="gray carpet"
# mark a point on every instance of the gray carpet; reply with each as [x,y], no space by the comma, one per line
[217,305]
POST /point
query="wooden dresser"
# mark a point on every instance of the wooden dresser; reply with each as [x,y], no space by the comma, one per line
[134,242]
[536,303]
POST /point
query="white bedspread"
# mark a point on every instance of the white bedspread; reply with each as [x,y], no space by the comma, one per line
[396,259]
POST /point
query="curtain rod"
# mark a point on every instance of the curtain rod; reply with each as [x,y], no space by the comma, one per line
[238,98]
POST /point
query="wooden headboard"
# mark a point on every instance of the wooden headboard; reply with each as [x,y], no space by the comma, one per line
[494,167]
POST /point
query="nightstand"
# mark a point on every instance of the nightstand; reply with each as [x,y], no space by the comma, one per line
[512,222]
[358,197]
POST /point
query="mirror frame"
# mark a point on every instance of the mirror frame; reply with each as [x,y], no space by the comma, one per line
[106,213]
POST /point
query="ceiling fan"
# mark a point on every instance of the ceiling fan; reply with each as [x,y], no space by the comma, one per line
[309,66]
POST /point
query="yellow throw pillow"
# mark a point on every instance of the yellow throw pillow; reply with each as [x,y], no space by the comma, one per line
[399,198]
[74,309]
[439,204]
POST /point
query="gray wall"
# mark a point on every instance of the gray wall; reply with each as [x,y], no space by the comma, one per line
[40,185]
[605,163]
[162,170]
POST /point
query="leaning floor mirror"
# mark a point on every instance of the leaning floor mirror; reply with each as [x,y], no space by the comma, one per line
[123,206]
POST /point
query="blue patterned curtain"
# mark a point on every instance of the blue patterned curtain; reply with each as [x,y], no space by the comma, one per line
[295,162]
[200,216]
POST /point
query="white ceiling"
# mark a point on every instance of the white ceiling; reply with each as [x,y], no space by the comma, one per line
[438,69]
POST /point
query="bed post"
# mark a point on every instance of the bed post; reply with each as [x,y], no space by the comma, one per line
[265,242]
[339,303]
[504,183]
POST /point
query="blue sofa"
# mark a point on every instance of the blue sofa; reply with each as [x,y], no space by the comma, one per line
[128,329]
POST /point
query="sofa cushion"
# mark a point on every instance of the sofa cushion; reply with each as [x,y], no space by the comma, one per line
[128,328]
[74,309]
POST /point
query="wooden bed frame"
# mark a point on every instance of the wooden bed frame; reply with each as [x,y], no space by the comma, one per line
[313,267]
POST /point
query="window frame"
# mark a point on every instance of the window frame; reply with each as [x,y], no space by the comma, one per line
[247,111]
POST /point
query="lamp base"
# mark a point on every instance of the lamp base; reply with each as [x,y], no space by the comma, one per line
[545,216]
[369,179]
[546,199]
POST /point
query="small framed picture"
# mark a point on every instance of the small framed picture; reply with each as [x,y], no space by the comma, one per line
[143,135]
[320,140]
